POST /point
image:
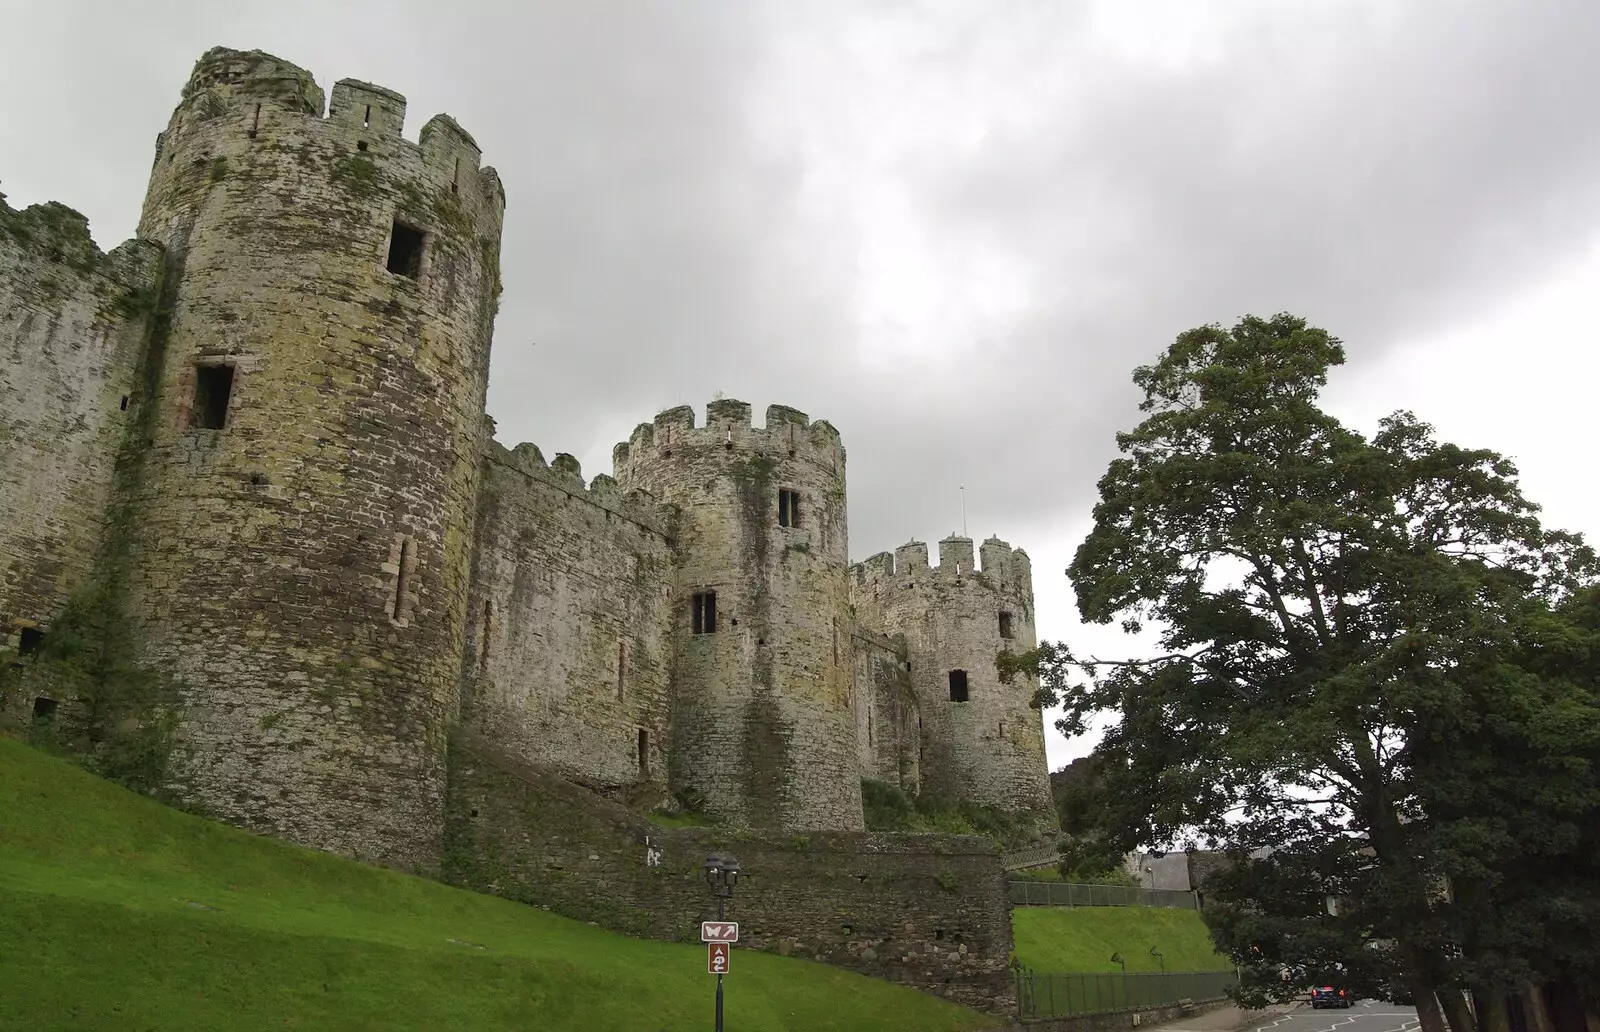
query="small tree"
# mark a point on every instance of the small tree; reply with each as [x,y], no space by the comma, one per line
[1331,609]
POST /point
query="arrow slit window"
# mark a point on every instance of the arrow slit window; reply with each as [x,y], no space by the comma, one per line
[705,612]
[788,508]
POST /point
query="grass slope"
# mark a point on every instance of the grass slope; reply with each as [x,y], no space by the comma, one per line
[119,913]
[1084,938]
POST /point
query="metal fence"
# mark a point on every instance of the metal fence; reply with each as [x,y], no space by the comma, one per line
[1053,996]
[1072,894]
[1038,856]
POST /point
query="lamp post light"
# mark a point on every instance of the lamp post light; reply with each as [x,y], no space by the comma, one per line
[721,874]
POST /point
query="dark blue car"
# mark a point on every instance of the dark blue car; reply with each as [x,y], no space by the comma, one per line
[1329,996]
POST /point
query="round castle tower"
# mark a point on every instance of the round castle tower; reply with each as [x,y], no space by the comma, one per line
[982,741]
[313,422]
[762,726]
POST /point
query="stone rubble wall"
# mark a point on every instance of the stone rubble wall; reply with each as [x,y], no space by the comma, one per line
[926,910]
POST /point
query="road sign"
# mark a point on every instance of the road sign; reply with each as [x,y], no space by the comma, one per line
[719,957]
[719,931]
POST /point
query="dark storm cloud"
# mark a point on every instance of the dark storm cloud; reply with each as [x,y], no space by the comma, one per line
[697,196]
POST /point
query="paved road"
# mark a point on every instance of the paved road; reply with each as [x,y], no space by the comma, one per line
[1365,1016]
[1368,1016]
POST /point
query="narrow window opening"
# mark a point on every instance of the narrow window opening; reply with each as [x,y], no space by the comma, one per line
[846,930]
[213,384]
[958,686]
[361,145]
[44,708]
[32,638]
[1002,729]
[402,579]
[455,178]
[836,641]
[644,754]
[1005,625]
[622,666]
[938,933]
[483,640]
[869,727]
[255,125]
[405,251]
[791,440]
[788,508]
[366,119]
[705,612]
[124,403]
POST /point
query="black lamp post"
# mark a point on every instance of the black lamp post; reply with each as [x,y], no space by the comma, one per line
[721,874]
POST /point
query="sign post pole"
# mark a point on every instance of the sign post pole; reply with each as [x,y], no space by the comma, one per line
[721,872]
[720,915]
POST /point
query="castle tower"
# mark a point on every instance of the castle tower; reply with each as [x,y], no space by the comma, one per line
[982,741]
[302,524]
[762,726]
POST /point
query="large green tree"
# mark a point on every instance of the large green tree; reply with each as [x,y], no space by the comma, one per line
[1338,616]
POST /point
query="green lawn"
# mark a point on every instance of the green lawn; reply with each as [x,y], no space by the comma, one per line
[1084,938]
[119,913]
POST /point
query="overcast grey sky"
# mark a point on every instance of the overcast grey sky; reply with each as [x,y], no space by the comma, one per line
[951,229]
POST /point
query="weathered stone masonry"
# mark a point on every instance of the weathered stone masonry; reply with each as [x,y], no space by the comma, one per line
[245,467]
[73,324]
[304,524]
[980,741]
[928,910]
[569,657]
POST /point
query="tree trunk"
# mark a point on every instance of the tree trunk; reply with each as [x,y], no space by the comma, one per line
[1428,1015]
[1534,996]
[1454,1004]
[1491,1007]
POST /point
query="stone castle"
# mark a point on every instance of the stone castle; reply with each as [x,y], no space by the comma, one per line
[259,547]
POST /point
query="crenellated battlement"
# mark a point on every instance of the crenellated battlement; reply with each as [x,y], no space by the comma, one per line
[256,92]
[729,426]
[1002,569]
[565,473]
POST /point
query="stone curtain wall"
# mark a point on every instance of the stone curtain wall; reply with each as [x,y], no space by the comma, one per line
[762,724]
[888,723]
[73,326]
[926,910]
[989,749]
[569,649]
[301,570]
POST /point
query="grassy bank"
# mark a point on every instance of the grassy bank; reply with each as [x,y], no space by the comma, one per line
[118,913]
[1084,938]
